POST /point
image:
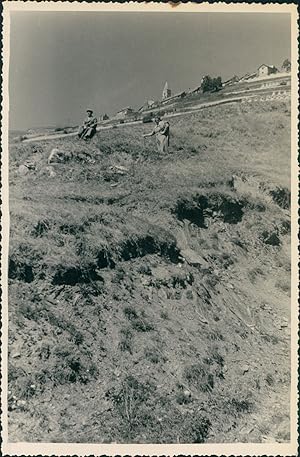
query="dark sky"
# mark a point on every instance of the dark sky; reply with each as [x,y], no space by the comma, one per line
[61,63]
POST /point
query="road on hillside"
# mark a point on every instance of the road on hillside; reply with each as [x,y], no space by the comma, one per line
[189,110]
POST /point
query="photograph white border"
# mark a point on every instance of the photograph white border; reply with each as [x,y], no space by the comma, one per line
[58,449]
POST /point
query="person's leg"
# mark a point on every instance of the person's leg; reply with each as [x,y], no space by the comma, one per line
[165,145]
[160,143]
[85,135]
[89,134]
[93,132]
[80,131]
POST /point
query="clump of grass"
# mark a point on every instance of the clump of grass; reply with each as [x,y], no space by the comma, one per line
[198,375]
[182,398]
[270,338]
[211,280]
[130,401]
[199,429]
[238,406]
[21,382]
[138,321]
[141,325]
[216,363]
[271,237]
[217,357]
[270,380]
[254,272]
[154,355]
[67,364]
[61,364]
[164,315]
[215,335]
[145,269]
[37,311]
[126,341]
[130,313]
[283,284]
[119,275]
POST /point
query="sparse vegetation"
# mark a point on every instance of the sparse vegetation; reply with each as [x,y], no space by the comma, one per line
[106,317]
[125,343]
[154,355]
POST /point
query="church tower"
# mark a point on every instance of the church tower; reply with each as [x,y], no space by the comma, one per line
[166,92]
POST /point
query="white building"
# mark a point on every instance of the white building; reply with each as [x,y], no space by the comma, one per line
[166,92]
[266,70]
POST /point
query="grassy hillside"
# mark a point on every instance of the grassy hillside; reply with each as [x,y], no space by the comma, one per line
[151,303]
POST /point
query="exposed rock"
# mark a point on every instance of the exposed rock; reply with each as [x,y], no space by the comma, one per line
[17,354]
[194,259]
[23,170]
[84,157]
[271,238]
[268,439]
[245,369]
[59,156]
[189,295]
[30,164]
[36,149]
[119,169]
[187,394]
[178,295]
[49,171]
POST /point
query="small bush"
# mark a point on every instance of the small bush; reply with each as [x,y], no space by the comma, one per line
[217,357]
[270,380]
[256,271]
[145,269]
[271,238]
[141,325]
[199,429]
[164,315]
[198,375]
[130,313]
[154,355]
[239,406]
[125,343]
[215,335]
[119,276]
[270,338]
[138,322]
[183,399]
[284,285]
[130,401]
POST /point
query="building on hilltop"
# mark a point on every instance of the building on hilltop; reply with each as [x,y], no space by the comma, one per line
[166,92]
[104,117]
[196,90]
[266,70]
[174,97]
[248,76]
[232,80]
[124,112]
[149,104]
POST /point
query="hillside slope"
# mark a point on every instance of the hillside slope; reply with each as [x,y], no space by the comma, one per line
[150,303]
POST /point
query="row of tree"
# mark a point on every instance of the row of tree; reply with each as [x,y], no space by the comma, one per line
[209,84]
[286,65]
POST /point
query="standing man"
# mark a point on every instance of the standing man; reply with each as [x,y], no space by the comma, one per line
[88,129]
[162,133]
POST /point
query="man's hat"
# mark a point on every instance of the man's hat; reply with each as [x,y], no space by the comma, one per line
[89,110]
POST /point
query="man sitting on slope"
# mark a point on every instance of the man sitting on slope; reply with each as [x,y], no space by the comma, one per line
[88,129]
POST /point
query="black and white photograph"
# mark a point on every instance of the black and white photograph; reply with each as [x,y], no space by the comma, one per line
[149,184]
